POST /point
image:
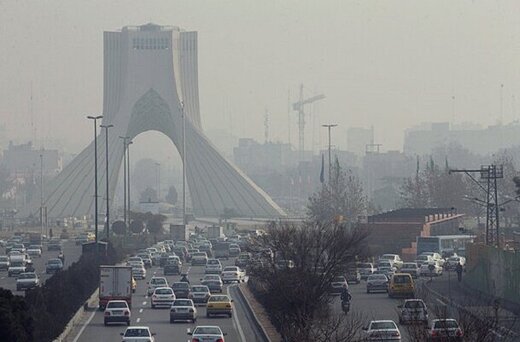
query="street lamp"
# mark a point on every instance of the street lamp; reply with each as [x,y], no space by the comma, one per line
[184,161]
[95,118]
[329,126]
[106,127]
[124,176]
[128,176]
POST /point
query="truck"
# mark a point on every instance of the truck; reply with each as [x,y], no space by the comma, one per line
[215,232]
[179,232]
[115,282]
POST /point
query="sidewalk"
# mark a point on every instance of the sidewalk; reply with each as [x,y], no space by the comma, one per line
[451,291]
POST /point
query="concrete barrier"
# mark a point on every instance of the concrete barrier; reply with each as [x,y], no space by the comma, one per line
[256,321]
[78,316]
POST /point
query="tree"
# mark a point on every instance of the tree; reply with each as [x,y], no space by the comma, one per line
[342,197]
[155,224]
[136,226]
[148,195]
[119,227]
[172,196]
[297,297]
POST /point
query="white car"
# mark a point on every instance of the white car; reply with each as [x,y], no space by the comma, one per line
[162,296]
[207,333]
[453,261]
[139,272]
[411,268]
[436,257]
[233,273]
[138,334]
[394,259]
[117,311]
[423,259]
[213,266]
[4,262]
[34,250]
[154,283]
[384,330]
[26,281]
[365,269]
[199,258]
[432,269]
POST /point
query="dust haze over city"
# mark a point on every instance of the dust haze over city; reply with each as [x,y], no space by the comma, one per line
[146,140]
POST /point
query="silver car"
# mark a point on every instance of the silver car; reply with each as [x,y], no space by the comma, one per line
[207,334]
[183,310]
[413,310]
[377,282]
[384,330]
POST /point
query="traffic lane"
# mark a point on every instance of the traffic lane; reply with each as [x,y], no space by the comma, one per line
[71,252]
[159,319]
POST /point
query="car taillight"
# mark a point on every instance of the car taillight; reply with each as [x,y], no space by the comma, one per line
[107,313]
[127,313]
[154,297]
[191,310]
[228,305]
[458,333]
[220,340]
[435,333]
[195,340]
[395,333]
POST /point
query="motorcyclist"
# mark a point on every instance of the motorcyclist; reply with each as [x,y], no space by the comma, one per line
[184,278]
[346,297]
[61,256]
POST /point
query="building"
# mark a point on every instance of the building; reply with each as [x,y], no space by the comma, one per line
[25,161]
[358,138]
[255,158]
[421,140]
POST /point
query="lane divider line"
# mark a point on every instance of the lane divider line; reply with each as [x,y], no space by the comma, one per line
[140,310]
[236,322]
[87,322]
[138,320]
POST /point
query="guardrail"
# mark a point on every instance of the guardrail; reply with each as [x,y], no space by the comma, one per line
[256,321]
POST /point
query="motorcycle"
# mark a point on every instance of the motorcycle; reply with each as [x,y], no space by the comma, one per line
[345,306]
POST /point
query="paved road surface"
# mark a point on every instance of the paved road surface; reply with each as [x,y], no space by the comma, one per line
[238,328]
[70,250]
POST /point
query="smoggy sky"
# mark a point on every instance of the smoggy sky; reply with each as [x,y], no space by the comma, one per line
[391,64]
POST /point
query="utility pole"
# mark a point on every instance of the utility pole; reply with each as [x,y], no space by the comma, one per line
[489,175]
[124,176]
[107,178]
[41,192]
[184,161]
[95,118]
[128,177]
[329,126]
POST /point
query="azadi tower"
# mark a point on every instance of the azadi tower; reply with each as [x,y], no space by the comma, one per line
[150,72]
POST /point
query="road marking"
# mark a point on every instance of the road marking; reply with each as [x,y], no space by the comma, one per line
[140,310]
[85,325]
[144,303]
[236,322]
[138,320]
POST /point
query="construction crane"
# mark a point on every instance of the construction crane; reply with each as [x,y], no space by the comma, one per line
[299,107]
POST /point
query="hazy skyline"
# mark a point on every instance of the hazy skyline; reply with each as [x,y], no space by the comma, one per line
[391,64]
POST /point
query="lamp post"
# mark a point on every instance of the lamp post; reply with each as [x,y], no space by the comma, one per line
[41,192]
[184,161]
[107,177]
[329,126]
[95,118]
[128,177]
[124,176]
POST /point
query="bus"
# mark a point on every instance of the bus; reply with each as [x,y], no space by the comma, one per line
[445,245]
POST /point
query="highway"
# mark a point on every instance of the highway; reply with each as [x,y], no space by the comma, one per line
[238,328]
[70,251]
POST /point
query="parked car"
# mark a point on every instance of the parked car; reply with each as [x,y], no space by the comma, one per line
[27,281]
[200,294]
[183,310]
[136,334]
[382,330]
[162,296]
[219,305]
[365,269]
[181,290]
[207,334]
[411,268]
[412,311]
[117,311]
[377,282]
[444,329]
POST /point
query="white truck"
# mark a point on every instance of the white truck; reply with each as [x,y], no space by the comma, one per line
[115,282]
[215,232]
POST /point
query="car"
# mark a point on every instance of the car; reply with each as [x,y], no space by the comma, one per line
[139,272]
[445,329]
[219,305]
[138,334]
[16,268]
[365,269]
[181,289]
[436,257]
[386,264]
[154,283]
[213,266]
[156,258]
[200,294]
[423,259]
[81,239]
[377,282]
[413,310]
[19,246]
[34,250]
[233,273]
[411,268]
[234,249]
[243,259]
[54,245]
[117,311]
[401,285]
[353,277]
[183,310]
[199,258]
[162,296]
[431,269]
[174,259]
[135,261]
[181,252]
[171,269]
[53,265]
[4,262]
[337,284]
[27,281]
[190,253]
[207,334]
[382,330]
[394,259]
[213,282]
[164,257]
[452,262]
[145,257]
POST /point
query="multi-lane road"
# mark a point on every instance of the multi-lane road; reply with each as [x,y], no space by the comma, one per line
[238,328]
[70,251]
